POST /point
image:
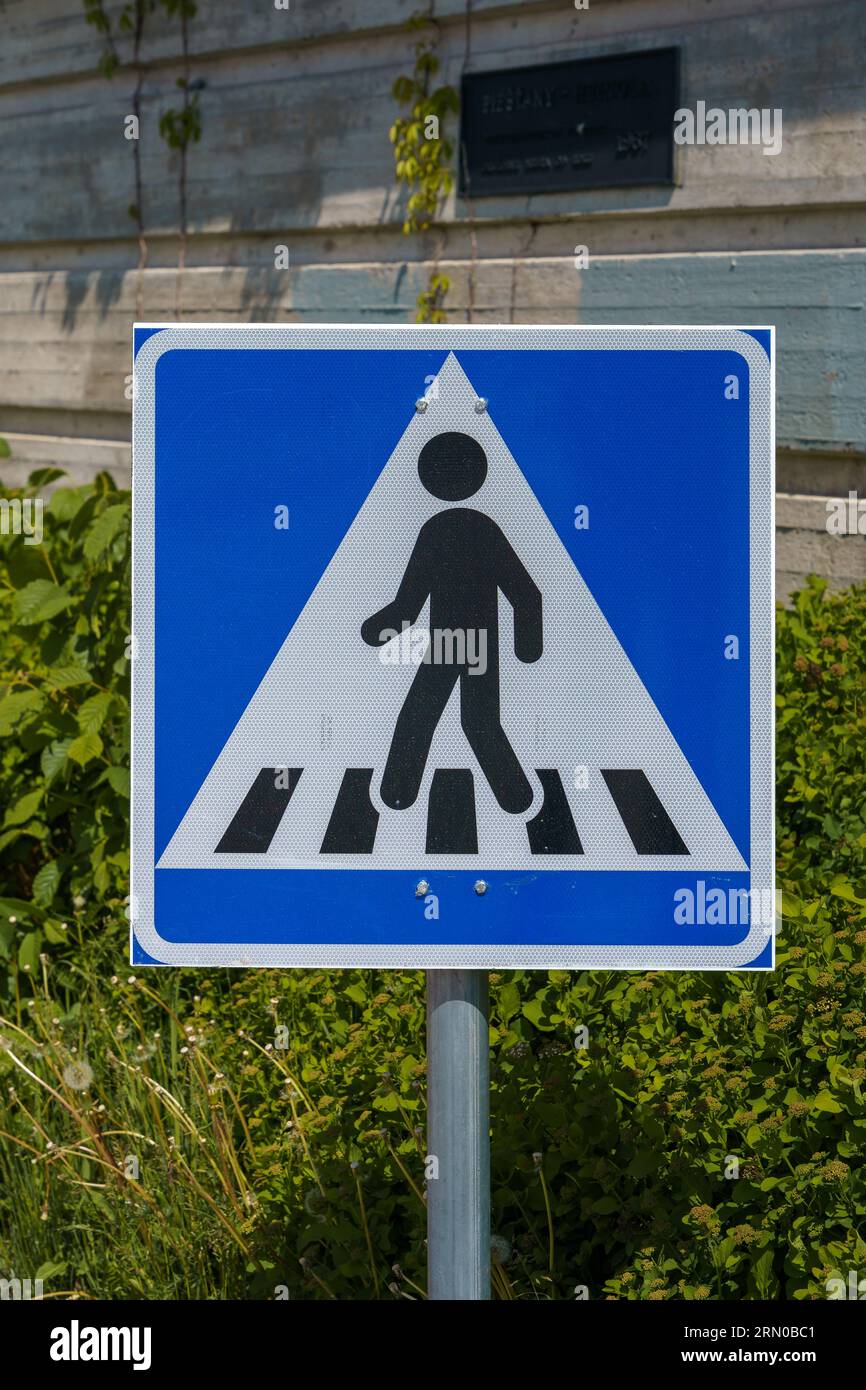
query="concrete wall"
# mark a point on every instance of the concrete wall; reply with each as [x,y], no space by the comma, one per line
[295,151]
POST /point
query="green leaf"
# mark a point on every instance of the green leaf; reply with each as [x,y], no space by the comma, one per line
[762,1271]
[43,476]
[389,1102]
[509,1001]
[402,89]
[104,529]
[67,501]
[40,600]
[644,1163]
[85,747]
[46,883]
[15,907]
[605,1206]
[28,951]
[53,758]
[841,888]
[534,1011]
[118,780]
[92,714]
[24,808]
[32,828]
[19,703]
[64,677]
[824,1101]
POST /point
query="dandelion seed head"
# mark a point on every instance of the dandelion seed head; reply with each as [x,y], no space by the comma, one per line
[78,1075]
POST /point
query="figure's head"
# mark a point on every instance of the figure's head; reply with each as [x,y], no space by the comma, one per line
[452,466]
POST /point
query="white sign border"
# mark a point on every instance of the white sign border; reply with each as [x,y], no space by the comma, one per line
[433,955]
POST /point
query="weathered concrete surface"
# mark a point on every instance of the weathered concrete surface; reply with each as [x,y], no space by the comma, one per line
[294,151]
[295,133]
[82,458]
[67,351]
[804,544]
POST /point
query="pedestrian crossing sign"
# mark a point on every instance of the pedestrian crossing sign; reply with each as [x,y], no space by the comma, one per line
[453,647]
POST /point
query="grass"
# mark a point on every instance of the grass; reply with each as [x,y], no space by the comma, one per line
[146,1143]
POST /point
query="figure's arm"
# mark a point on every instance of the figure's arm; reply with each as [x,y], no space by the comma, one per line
[524,595]
[408,602]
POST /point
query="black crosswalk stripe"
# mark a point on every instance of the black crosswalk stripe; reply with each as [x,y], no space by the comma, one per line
[553,830]
[354,819]
[451,823]
[649,826]
[255,822]
[452,826]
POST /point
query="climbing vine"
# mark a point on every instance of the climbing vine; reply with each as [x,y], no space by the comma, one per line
[423,155]
[178,126]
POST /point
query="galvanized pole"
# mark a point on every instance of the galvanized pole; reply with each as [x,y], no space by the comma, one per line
[458,1135]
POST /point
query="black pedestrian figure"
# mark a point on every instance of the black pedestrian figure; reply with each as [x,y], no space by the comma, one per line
[460,561]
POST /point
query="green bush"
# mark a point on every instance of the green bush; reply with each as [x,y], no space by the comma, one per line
[161,1143]
[64,713]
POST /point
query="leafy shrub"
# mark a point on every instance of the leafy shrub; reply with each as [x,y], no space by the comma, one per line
[821,736]
[300,1168]
[64,713]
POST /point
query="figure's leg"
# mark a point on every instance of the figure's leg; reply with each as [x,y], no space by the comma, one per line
[413,734]
[479,715]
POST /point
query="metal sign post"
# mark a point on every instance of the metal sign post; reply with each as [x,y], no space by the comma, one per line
[444,686]
[458,1135]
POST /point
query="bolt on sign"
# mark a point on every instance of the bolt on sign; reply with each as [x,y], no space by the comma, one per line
[454,647]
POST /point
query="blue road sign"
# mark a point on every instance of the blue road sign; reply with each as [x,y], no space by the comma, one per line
[453,647]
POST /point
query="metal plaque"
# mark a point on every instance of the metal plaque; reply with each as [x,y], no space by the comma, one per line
[588,123]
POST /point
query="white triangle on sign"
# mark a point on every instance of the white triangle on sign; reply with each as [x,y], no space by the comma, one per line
[329,702]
